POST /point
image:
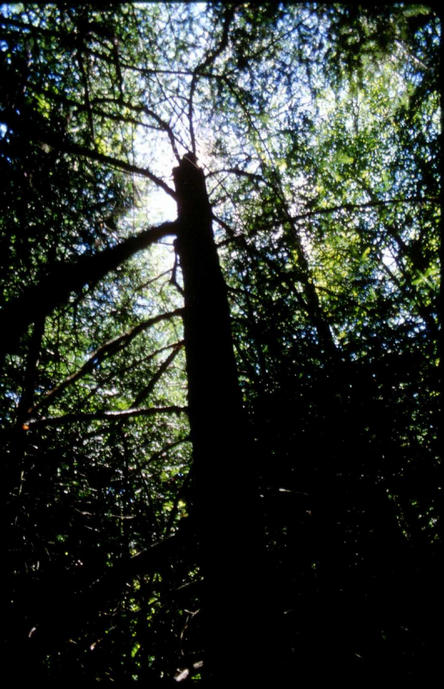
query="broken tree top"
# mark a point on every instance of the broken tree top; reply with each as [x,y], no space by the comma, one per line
[192,198]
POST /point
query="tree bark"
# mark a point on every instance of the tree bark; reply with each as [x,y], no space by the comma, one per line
[225,502]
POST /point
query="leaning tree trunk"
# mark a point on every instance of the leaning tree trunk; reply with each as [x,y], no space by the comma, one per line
[234,600]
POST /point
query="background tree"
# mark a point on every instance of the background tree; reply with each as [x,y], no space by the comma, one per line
[317,128]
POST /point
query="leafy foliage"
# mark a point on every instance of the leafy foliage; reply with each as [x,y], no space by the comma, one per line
[318,129]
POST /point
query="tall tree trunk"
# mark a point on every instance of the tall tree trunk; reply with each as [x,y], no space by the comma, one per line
[229,528]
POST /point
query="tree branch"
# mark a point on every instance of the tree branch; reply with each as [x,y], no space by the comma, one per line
[68,619]
[363,206]
[107,349]
[238,172]
[116,373]
[104,415]
[55,287]
[62,143]
[146,391]
[207,61]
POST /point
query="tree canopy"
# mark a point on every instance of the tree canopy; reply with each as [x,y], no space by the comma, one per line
[317,128]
